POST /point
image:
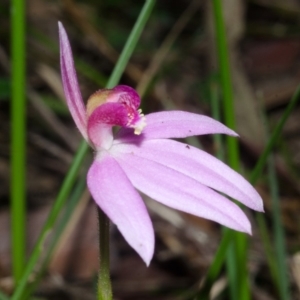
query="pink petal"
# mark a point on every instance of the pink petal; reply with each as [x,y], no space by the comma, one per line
[115,195]
[198,165]
[177,124]
[181,192]
[70,83]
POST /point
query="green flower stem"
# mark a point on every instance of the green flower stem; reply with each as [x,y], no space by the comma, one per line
[18,137]
[80,155]
[237,252]
[104,283]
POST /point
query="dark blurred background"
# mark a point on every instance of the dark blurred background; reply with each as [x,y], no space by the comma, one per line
[173,67]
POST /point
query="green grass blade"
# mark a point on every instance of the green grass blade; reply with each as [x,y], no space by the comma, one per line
[90,73]
[274,136]
[48,226]
[216,114]
[271,258]
[278,232]
[79,157]
[269,249]
[278,266]
[64,219]
[215,267]
[18,136]
[237,253]
[131,43]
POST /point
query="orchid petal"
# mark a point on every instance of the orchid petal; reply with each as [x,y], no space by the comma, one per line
[181,192]
[70,83]
[177,124]
[115,195]
[198,165]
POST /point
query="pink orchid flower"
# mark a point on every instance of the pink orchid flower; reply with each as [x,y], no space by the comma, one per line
[142,157]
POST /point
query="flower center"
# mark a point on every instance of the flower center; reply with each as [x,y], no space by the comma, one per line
[117,106]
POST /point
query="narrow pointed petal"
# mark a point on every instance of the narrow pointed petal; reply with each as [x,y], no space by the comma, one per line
[177,124]
[70,82]
[181,192]
[199,165]
[115,195]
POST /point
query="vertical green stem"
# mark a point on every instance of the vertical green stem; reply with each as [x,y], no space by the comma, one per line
[237,253]
[104,284]
[279,259]
[225,76]
[18,153]
[216,114]
[278,233]
[215,267]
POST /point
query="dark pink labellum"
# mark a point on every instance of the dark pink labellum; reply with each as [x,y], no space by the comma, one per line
[113,107]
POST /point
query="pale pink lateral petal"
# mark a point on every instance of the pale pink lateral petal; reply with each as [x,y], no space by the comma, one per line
[115,195]
[198,165]
[177,124]
[181,192]
[70,83]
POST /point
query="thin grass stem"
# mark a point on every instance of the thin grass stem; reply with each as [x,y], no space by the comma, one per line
[275,135]
[18,136]
[237,253]
[104,282]
[131,43]
[59,230]
[278,263]
[278,232]
[48,226]
[215,267]
[216,114]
